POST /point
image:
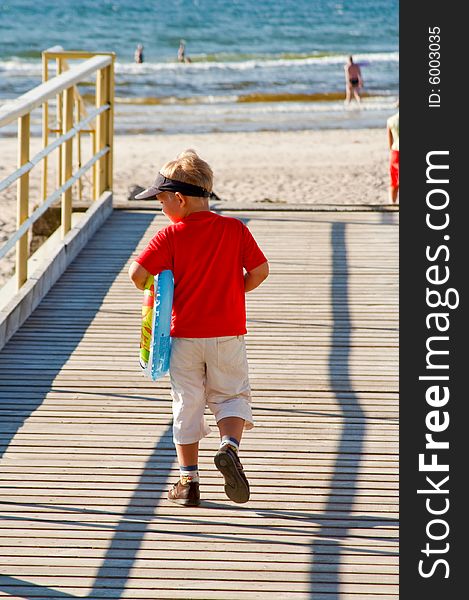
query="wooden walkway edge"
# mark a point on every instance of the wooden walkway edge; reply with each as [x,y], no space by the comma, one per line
[86,447]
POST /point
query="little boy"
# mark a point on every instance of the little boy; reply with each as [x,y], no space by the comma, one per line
[207,254]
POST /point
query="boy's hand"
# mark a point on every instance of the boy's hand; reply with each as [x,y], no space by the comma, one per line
[138,275]
[255,277]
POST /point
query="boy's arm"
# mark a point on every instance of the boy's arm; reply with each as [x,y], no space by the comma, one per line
[390,137]
[138,275]
[254,278]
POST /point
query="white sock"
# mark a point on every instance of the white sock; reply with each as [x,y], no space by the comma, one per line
[226,440]
[189,474]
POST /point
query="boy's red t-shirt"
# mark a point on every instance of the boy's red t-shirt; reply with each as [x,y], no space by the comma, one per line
[206,253]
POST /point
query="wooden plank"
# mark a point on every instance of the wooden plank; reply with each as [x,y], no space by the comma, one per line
[26,555]
[84,488]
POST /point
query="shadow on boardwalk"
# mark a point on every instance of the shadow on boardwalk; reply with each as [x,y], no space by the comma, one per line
[352,415]
[124,234]
[17,361]
[126,537]
[130,531]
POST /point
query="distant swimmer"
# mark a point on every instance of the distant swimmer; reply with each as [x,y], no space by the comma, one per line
[139,54]
[182,52]
[353,81]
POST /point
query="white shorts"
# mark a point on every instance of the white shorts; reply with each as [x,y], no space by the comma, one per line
[209,372]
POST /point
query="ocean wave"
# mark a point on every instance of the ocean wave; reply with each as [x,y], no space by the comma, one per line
[17,66]
[31,67]
[243,65]
[262,116]
[233,57]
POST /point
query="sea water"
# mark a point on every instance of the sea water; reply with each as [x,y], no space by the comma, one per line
[263,65]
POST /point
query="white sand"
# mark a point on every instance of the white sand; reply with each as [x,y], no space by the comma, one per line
[311,167]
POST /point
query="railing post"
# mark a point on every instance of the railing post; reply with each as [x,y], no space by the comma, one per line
[110,129]
[59,127]
[22,200]
[67,157]
[94,176]
[102,134]
[45,128]
[78,118]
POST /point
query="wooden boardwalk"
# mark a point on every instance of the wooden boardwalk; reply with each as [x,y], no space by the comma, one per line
[86,440]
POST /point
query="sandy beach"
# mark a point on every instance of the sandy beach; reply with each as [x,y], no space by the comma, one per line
[310,167]
[338,167]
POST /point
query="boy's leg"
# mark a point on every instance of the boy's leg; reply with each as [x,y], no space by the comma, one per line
[228,397]
[231,430]
[186,490]
[228,463]
[188,391]
[231,427]
[188,454]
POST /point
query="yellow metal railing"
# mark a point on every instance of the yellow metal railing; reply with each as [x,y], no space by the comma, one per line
[72,121]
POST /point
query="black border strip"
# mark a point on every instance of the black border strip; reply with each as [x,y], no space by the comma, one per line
[434,123]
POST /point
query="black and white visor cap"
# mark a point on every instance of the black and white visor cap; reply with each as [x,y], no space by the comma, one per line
[164,184]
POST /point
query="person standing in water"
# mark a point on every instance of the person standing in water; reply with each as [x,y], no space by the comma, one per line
[353,81]
[139,54]
[182,53]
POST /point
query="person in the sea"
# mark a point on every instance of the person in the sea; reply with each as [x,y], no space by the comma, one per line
[353,81]
[139,54]
[182,53]
[392,129]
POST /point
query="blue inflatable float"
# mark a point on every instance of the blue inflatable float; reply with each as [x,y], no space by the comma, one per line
[155,339]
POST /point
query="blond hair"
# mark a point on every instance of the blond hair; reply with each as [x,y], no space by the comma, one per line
[189,168]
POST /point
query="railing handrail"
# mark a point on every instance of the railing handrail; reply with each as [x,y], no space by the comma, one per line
[5,183]
[59,52]
[63,89]
[41,209]
[45,91]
